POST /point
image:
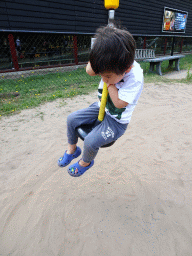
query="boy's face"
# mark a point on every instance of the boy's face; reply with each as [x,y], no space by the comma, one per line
[113,78]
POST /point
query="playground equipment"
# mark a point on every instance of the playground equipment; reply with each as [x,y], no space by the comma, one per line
[83,130]
[111,4]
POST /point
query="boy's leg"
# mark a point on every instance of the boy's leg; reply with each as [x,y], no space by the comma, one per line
[71,148]
[79,117]
[107,131]
[75,119]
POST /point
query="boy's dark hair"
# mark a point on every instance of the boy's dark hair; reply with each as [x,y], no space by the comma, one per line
[113,50]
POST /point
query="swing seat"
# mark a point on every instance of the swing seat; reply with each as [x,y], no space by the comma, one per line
[83,130]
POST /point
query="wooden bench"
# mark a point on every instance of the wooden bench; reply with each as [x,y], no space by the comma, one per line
[157,62]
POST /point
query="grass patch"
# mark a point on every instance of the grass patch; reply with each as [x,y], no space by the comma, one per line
[35,90]
[189,75]
[29,92]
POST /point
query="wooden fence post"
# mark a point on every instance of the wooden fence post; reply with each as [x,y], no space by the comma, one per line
[165,45]
[173,46]
[181,46]
[75,48]
[144,43]
[13,52]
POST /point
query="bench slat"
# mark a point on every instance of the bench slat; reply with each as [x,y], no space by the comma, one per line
[164,58]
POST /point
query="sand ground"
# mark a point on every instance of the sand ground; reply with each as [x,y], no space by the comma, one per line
[135,201]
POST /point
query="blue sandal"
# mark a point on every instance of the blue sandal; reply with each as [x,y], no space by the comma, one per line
[77,170]
[67,158]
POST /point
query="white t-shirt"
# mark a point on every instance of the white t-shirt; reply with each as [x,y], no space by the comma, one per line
[129,90]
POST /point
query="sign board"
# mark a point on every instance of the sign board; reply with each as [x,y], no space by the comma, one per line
[174,21]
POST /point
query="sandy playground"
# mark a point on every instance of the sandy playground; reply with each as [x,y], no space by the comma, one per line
[135,201]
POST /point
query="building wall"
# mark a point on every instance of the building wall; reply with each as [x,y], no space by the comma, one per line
[141,17]
[67,16]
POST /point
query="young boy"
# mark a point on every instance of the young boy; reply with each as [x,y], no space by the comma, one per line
[112,57]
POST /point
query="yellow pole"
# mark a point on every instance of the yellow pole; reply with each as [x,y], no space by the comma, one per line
[103,103]
[109,4]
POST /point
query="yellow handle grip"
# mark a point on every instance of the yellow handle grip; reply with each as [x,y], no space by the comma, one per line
[103,103]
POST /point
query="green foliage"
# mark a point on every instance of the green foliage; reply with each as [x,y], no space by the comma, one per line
[189,75]
[21,93]
[37,89]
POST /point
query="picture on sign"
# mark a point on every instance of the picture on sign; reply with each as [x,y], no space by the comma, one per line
[174,20]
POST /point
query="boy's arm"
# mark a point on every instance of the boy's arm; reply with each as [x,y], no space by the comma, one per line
[89,70]
[113,92]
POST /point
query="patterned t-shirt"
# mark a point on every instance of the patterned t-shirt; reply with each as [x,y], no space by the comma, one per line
[129,90]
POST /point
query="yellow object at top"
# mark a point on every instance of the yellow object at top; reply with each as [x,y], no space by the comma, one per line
[111,4]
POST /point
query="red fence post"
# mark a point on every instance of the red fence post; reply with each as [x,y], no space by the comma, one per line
[181,46]
[165,45]
[13,51]
[144,43]
[75,48]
